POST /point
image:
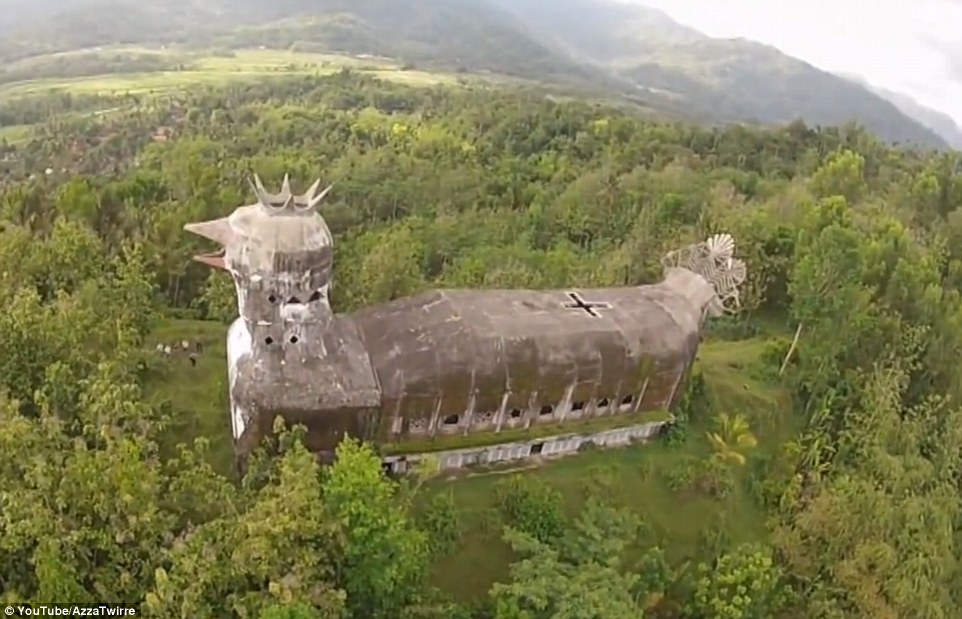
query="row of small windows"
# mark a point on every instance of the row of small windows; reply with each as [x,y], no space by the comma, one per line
[548,409]
[317,295]
[269,340]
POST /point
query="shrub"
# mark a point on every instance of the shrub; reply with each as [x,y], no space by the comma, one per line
[491,522]
[588,445]
[442,523]
[531,506]
[745,582]
[599,482]
[694,405]
[713,540]
[714,479]
[704,476]
[681,476]
[676,432]
[732,328]
[773,355]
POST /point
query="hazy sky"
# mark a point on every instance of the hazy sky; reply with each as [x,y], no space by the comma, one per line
[912,46]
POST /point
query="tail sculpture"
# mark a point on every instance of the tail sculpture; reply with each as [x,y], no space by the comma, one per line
[713,260]
[445,364]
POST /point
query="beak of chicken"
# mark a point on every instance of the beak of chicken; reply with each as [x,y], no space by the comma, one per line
[217,230]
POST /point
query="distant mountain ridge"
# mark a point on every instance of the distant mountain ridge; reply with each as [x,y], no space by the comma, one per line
[598,31]
[937,121]
[614,49]
[470,35]
[721,80]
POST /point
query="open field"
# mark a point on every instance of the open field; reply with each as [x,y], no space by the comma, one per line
[735,382]
[194,69]
[197,396]
[15,133]
[218,69]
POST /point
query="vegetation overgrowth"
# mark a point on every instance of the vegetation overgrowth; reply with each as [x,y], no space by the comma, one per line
[123,69]
[628,51]
[824,483]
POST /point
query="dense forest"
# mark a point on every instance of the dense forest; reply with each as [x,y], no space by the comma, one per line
[851,245]
[620,50]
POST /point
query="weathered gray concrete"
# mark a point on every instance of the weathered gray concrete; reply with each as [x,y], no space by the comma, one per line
[445,361]
[553,447]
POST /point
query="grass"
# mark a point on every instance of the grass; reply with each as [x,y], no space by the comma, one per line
[218,69]
[635,476]
[738,380]
[206,69]
[586,426]
[14,134]
[196,396]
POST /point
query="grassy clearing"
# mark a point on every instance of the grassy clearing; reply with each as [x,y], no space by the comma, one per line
[15,133]
[737,381]
[196,397]
[635,474]
[215,69]
[734,376]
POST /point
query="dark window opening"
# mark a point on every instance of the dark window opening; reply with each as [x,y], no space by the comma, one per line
[578,406]
[451,420]
[294,300]
[628,399]
[536,448]
[515,413]
[603,403]
[272,299]
[268,340]
[293,339]
[547,409]
[316,296]
[483,418]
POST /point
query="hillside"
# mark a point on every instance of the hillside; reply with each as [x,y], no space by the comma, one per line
[819,483]
[601,32]
[713,80]
[468,35]
[935,120]
[597,46]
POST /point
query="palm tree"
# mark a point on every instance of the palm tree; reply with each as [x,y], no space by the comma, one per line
[733,438]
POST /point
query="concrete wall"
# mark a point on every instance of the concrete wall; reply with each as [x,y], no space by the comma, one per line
[555,446]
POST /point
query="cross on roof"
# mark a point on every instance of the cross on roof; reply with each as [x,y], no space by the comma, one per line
[589,307]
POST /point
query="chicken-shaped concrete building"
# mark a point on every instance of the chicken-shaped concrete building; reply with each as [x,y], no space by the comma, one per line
[428,372]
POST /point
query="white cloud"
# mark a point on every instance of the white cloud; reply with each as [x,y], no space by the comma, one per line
[911,46]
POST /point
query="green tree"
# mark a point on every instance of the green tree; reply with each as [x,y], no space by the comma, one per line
[382,556]
[393,268]
[743,584]
[580,578]
[268,549]
[218,297]
[842,175]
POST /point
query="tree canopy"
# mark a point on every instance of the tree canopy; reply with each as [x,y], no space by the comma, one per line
[856,245]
